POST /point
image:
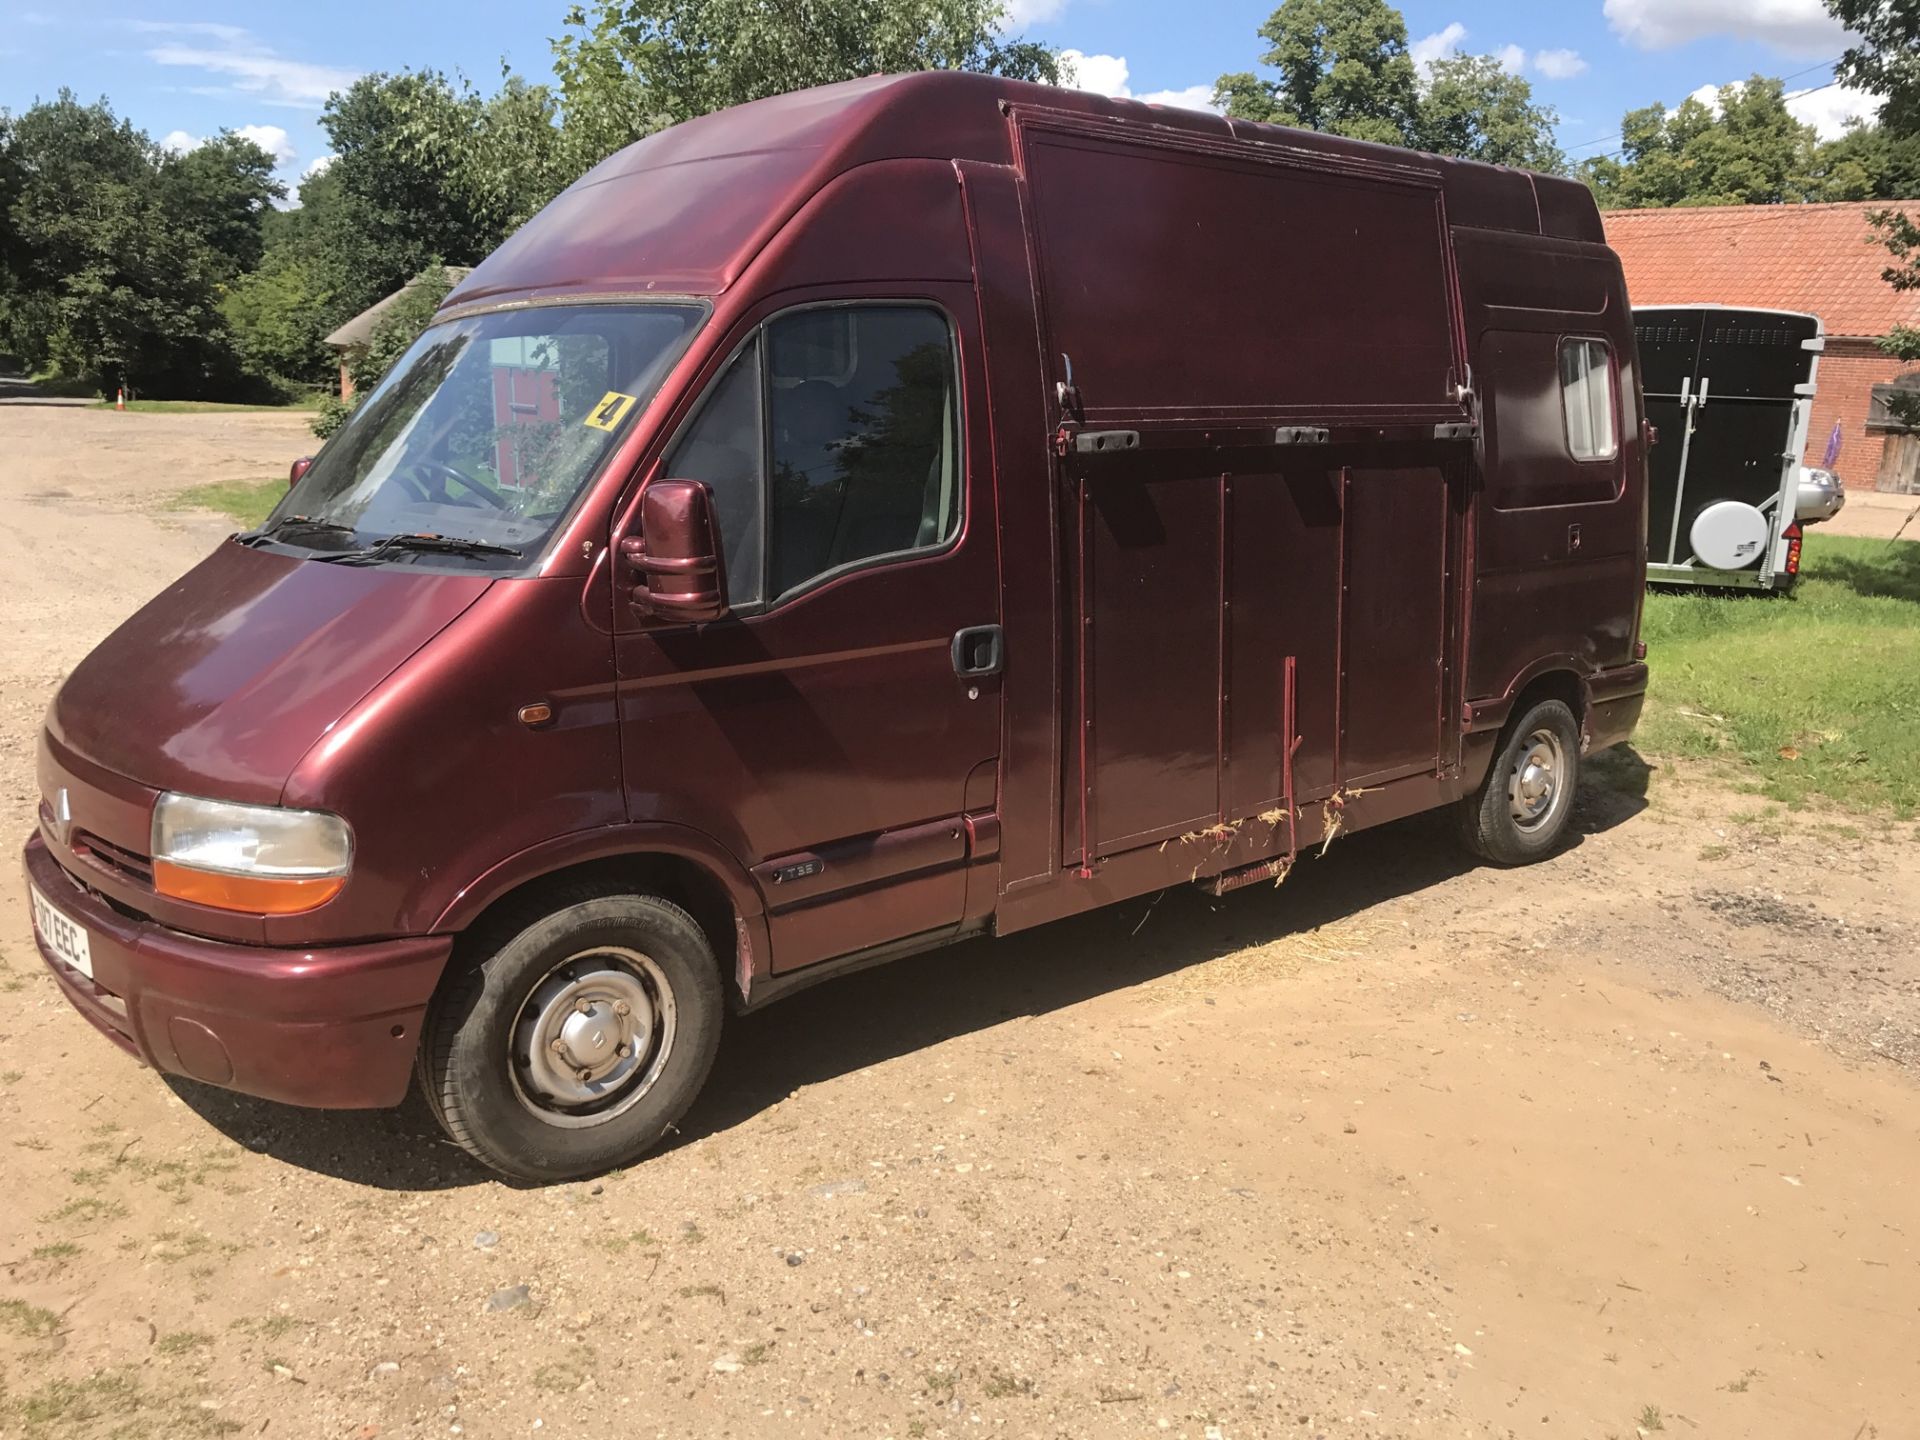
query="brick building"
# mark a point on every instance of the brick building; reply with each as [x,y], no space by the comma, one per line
[1824,260]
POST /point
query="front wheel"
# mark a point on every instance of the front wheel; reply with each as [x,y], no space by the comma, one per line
[577,1038]
[1520,812]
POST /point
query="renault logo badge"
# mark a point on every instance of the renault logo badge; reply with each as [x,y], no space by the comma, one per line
[62,815]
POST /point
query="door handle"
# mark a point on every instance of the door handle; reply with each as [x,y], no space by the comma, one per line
[978,651]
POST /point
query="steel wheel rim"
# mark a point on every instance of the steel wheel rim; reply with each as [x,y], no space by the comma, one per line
[592,1037]
[1537,787]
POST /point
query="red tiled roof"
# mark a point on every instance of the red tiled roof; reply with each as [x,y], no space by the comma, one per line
[1821,259]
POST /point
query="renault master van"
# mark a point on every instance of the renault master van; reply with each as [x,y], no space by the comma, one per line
[908,510]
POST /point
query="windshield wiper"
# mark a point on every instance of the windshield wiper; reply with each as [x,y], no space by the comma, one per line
[421,544]
[292,522]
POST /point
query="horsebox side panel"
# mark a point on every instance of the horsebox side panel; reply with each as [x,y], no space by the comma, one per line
[1190,282]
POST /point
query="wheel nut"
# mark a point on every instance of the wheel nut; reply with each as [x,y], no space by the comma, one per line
[558,1046]
[583,1075]
[621,1007]
[624,1051]
[583,1005]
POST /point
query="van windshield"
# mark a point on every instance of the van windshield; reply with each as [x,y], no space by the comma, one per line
[474,447]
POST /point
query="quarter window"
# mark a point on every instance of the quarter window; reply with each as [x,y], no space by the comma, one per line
[1586,394]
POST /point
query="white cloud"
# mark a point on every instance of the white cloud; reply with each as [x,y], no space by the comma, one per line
[1193,97]
[1109,74]
[1444,44]
[270,138]
[247,65]
[319,165]
[273,140]
[1797,27]
[1437,46]
[1828,108]
[1102,74]
[1022,13]
[1559,64]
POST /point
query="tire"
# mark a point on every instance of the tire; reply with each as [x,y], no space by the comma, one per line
[531,1065]
[1511,819]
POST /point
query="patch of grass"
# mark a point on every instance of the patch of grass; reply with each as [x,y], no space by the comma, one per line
[567,1374]
[209,407]
[248,501]
[757,1353]
[12,1077]
[688,1292]
[270,1327]
[940,1384]
[58,1250]
[617,1244]
[182,1342]
[1001,1386]
[85,1210]
[1650,1418]
[30,1322]
[1818,694]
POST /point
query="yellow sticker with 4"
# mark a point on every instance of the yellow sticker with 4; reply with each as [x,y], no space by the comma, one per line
[611,410]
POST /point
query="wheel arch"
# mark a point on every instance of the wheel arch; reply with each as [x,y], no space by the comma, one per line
[674,862]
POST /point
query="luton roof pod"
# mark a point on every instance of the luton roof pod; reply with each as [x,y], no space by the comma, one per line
[1730,390]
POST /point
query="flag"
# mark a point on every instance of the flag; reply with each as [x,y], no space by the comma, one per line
[1832,457]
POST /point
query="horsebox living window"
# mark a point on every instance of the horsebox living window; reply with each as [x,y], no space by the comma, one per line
[1586,395]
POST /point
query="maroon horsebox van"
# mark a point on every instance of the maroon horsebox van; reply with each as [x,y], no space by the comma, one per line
[913,509]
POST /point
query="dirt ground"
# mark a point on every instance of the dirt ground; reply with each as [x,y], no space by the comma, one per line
[1627,1141]
[1874,516]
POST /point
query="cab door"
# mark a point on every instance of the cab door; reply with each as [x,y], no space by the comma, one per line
[826,730]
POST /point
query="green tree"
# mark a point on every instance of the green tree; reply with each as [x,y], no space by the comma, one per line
[626,68]
[119,255]
[223,188]
[403,324]
[1885,60]
[1473,107]
[1750,152]
[1900,231]
[1343,67]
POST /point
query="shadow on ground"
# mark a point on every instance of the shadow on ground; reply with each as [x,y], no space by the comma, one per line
[881,1014]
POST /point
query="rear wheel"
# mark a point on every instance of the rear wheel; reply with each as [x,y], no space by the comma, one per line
[1521,810]
[577,1039]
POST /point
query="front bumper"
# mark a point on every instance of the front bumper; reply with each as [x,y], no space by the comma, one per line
[334,1027]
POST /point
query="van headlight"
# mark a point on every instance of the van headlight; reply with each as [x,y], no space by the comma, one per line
[259,859]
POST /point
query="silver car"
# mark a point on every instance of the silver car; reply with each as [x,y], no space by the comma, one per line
[1821,494]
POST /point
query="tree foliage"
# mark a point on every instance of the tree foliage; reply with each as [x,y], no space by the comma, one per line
[117,252]
[1344,67]
[1885,60]
[1474,107]
[1747,150]
[411,312]
[626,68]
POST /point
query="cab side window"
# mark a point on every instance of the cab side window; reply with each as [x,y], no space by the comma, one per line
[831,439]
[862,444]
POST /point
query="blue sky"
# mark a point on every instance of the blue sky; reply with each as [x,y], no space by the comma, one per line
[184,69]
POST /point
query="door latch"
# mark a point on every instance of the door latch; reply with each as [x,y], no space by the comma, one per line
[978,651]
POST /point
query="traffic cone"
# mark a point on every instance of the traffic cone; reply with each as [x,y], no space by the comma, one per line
[120,398]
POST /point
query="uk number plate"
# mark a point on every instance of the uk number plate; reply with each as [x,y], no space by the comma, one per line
[67,939]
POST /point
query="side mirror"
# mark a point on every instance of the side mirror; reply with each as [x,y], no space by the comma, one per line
[299,468]
[676,557]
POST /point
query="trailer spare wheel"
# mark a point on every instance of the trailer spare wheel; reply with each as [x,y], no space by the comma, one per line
[1730,535]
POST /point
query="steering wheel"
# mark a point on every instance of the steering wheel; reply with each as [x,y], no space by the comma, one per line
[417,485]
